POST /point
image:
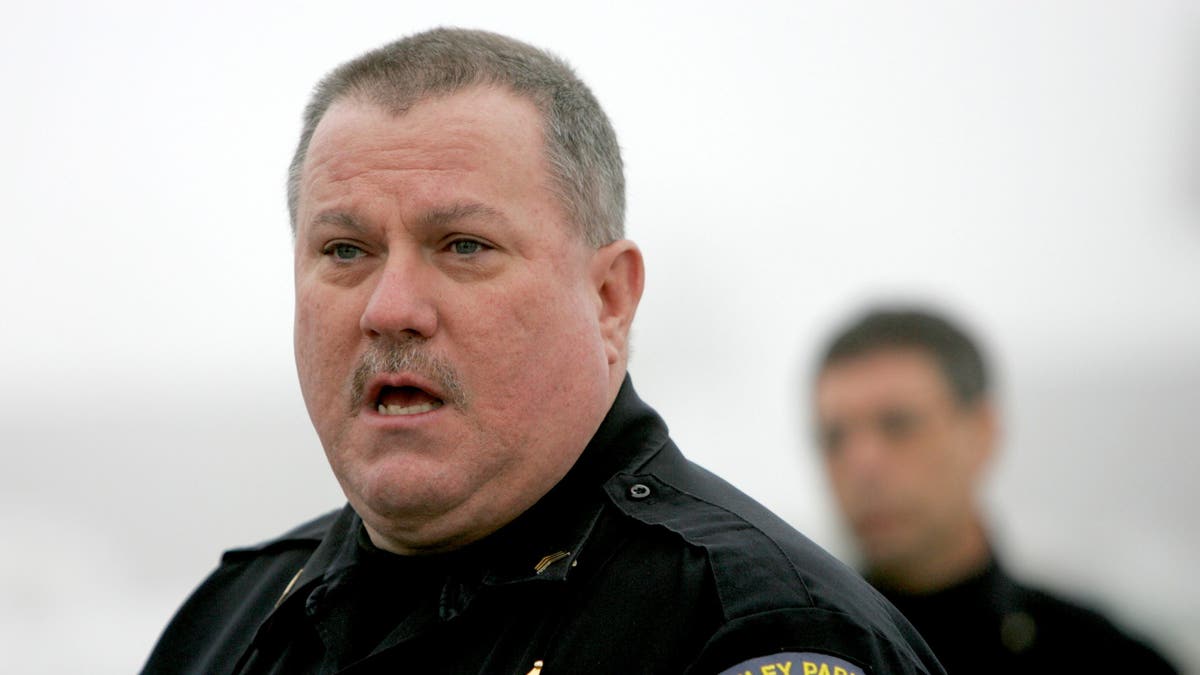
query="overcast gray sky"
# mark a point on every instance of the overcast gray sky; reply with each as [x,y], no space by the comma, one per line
[1033,167]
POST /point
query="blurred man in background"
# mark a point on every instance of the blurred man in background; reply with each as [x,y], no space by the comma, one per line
[908,429]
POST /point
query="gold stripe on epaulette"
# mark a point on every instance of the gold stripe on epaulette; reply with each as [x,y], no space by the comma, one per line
[550,560]
[289,586]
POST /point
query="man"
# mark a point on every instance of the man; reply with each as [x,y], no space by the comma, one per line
[908,427]
[464,296]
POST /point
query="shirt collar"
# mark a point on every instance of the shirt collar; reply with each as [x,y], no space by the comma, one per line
[540,545]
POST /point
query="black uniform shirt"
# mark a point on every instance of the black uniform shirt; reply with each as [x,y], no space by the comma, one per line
[638,561]
[991,624]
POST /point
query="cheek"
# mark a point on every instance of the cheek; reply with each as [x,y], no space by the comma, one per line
[936,480]
[547,322]
[853,488]
[542,347]
[839,473]
[322,332]
[844,489]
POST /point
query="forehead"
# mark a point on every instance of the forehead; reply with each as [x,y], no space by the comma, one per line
[888,376]
[480,130]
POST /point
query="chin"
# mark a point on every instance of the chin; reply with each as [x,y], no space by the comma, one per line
[400,487]
[885,550]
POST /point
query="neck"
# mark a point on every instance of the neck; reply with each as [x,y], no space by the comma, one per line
[937,568]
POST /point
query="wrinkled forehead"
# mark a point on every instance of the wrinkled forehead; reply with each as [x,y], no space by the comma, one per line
[482,118]
[483,131]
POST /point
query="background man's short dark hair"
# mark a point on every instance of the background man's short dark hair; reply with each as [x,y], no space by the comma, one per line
[956,353]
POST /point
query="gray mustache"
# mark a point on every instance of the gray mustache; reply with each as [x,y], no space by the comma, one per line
[409,356]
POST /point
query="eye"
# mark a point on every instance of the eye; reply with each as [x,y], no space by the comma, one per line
[898,424]
[466,246]
[830,439]
[343,251]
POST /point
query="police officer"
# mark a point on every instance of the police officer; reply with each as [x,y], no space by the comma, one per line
[464,296]
[907,426]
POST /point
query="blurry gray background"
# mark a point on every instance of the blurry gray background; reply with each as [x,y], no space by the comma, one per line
[1031,166]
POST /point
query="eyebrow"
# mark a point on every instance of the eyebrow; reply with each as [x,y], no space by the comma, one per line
[438,217]
[443,216]
[339,219]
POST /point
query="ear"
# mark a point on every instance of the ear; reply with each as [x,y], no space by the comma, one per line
[619,276]
[985,425]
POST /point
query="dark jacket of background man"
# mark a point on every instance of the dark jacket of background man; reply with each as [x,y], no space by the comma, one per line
[907,427]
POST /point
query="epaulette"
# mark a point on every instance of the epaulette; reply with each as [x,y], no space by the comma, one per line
[308,535]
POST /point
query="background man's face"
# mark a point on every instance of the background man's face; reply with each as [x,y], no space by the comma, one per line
[903,456]
[433,259]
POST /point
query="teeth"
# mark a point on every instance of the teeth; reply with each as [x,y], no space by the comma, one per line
[408,409]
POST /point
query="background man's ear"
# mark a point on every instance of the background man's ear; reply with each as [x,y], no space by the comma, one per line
[986,426]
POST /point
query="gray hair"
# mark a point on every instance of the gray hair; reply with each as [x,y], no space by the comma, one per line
[581,146]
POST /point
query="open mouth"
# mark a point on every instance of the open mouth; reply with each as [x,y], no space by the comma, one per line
[405,400]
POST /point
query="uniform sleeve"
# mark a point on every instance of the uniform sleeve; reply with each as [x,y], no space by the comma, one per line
[218,621]
[811,641]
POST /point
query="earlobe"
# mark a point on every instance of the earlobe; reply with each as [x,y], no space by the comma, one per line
[619,277]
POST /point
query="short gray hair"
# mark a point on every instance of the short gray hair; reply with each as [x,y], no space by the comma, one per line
[581,146]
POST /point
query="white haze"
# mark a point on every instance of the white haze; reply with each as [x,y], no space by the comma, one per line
[1031,166]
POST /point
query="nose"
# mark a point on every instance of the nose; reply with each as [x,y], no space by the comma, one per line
[864,456]
[402,301]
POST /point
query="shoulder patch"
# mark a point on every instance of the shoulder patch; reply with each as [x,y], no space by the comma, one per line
[795,663]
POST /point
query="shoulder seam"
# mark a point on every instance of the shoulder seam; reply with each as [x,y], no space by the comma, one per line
[751,526]
[689,537]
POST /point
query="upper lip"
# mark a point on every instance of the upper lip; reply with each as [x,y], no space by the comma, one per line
[377,383]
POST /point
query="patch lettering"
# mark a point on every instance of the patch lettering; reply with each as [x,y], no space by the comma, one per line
[795,663]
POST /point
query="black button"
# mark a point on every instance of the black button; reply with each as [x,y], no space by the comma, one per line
[639,491]
[315,601]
